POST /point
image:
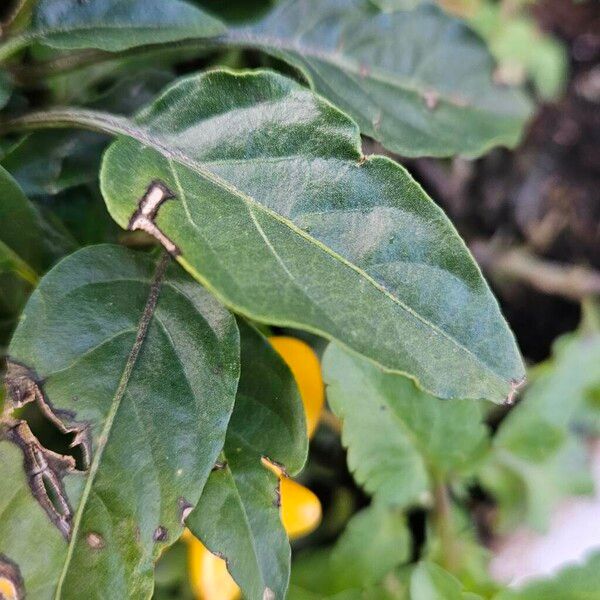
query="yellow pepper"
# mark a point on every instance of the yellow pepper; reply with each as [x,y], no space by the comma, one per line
[300,508]
[305,367]
[7,589]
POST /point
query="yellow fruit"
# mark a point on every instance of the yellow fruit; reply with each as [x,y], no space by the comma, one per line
[7,589]
[300,508]
[305,367]
[208,574]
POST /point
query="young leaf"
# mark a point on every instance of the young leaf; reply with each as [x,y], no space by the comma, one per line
[260,189]
[238,513]
[431,582]
[419,81]
[113,25]
[374,542]
[576,582]
[538,457]
[398,437]
[138,366]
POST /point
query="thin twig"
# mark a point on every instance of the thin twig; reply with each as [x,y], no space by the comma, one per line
[574,282]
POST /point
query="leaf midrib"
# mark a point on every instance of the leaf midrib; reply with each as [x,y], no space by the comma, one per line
[142,332]
[121,126]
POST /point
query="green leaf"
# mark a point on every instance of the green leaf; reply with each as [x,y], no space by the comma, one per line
[113,25]
[30,242]
[419,81]
[431,582]
[140,365]
[538,457]
[49,162]
[279,214]
[27,240]
[374,542]
[509,37]
[578,582]
[398,437]
[238,513]
[5,89]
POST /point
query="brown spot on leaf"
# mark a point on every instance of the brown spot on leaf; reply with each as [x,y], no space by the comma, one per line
[11,582]
[144,217]
[95,541]
[185,508]
[45,469]
[160,534]
[431,99]
[515,386]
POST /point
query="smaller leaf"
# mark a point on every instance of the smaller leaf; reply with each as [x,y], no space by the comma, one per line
[419,81]
[431,582]
[374,542]
[572,583]
[398,436]
[238,514]
[538,457]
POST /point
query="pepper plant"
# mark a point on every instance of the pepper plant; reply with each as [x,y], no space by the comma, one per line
[181,180]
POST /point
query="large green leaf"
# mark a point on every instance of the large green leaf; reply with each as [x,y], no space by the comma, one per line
[418,81]
[374,542]
[237,516]
[576,582]
[538,455]
[140,365]
[398,437]
[113,25]
[279,214]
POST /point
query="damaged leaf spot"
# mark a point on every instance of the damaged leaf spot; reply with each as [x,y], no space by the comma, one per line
[515,386]
[268,594]
[11,582]
[45,469]
[431,99]
[95,541]
[185,508]
[144,217]
[160,534]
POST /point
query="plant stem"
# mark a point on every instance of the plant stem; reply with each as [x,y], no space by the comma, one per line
[573,282]
[442,521]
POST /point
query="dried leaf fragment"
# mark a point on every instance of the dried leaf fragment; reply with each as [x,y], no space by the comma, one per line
[44,468]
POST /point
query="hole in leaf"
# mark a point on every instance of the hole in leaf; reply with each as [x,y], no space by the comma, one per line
[50,436]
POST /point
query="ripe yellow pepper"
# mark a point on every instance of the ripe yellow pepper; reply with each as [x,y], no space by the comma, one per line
[300,508]
[305,367]
[7,589]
